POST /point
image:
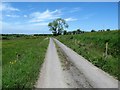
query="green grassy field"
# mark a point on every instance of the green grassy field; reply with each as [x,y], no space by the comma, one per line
[21,61]
[92,46]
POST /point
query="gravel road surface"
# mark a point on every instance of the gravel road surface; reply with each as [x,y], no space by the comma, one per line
[64,68]
[51,72]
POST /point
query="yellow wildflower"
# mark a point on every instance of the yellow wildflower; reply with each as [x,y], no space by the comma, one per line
[15,61]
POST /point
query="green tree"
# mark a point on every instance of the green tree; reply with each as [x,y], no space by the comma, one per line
[64,32]
[74,32]
[79,31]
[57,26]
[108,30]
[93,31]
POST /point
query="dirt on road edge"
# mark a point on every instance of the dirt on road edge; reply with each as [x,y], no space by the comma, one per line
[72,76]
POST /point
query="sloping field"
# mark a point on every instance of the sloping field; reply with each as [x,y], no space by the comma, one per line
[92,46]
[21,61]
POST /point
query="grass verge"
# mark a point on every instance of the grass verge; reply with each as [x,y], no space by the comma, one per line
[21,61]
[92,46]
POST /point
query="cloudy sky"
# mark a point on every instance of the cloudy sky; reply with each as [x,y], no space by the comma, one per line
[33,17]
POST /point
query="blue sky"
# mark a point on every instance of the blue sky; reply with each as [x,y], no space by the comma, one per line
[33,17]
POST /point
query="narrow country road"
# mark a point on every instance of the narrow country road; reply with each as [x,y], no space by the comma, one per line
[79,73]
[51,72]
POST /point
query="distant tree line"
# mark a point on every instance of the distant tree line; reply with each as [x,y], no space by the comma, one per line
[100,30]
[22,35]
[17,36]
[58,28]
[41,34]
[78,31]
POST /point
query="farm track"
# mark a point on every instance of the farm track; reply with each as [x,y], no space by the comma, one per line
[61,71]
[51,72]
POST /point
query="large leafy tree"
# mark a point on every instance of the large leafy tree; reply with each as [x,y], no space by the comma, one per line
[57,26]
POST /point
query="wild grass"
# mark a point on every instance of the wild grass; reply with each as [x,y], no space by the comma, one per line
[21,61]
[92,46]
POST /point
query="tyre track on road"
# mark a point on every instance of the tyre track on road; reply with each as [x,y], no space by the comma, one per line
[51,72]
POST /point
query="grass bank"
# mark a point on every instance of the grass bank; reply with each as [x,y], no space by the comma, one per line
[92,46]
[21,61]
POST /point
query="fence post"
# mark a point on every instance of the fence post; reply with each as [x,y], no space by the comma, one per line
[106,50]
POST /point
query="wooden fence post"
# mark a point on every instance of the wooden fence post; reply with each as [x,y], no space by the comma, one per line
[106,50]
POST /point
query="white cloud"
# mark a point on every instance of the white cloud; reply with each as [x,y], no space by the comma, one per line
[0,26]
[41,24]
[0,16]
[71,19]
[7,7]
[12,16]
[46,15]
[25,16]
[75,10]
